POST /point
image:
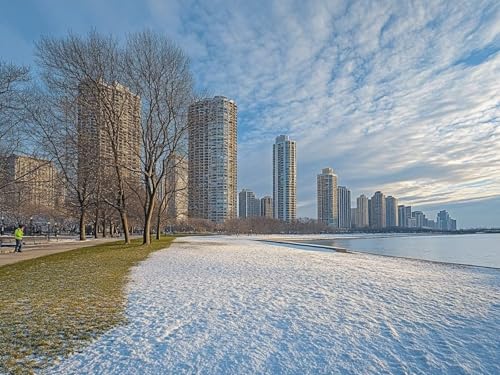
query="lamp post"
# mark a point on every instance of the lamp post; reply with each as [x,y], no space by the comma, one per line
[31,225]
[2,228]
[48,230]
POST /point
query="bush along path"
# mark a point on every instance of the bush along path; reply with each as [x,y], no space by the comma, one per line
[54,305]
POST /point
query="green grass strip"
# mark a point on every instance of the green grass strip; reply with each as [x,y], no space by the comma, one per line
[54,305]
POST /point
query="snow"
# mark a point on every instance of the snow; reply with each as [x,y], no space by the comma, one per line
[233,305]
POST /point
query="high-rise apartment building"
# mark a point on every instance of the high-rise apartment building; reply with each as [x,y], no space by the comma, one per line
[362,211]
[419,218]
[109,131]
[344,206]
[391,212]
[212,168]
[266,207]
[445,222]
[402,220]
[408,214]
[31,185]
[354,217]
[378,210]
[249,205]
[285,179]
[328,211]
[175,188]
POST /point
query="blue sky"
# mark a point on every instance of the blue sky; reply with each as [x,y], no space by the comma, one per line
[398,96]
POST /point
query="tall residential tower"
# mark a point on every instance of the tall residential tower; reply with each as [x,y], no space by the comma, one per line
[328,211]
[212,159]
[344,206]
[285,179]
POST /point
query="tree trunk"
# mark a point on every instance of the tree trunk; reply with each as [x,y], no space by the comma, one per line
[146,237]
[124,219]
[158,224]
[104,224]
[82,225]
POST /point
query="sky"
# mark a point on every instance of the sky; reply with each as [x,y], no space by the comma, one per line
[397,96]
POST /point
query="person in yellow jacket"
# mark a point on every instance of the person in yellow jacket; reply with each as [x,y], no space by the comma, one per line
[19,234]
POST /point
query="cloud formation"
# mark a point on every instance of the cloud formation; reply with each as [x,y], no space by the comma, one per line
[397,96]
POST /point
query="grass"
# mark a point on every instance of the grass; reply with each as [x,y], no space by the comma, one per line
[53,306]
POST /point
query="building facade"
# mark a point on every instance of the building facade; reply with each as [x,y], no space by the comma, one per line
[109,132]
[212,171]
[362,212]
[285,179]
[344,206]
[378,210]
[31,185]
[266,206]
[445,222]
[327,191]
[175,188]
[391,212]
[249,205]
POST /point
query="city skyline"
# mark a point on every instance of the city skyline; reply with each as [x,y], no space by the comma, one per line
[420,124]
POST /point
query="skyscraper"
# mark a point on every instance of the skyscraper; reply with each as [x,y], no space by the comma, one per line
[378,210]
[212,159]
[328,211]
[344,206]
[445,222]
[266,207]
[285,179]
[408,215]
[354,217]
[391,212]
[419,218]
[31,184]
[249,205]
[402,219]
[175,188]
[109,130]
[362,211]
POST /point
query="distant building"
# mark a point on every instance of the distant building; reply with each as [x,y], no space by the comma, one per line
[412,222]
[378,210]
[419,218]
[391,212]
[328,213]
[402,220]
[362,217]
[370,214]
[285,179]
[445,222]
[212,168]
[404,213]
[344,206]
[31,185]
[108,112]
[353,217]
[249,205]
[266,207]
[175,188]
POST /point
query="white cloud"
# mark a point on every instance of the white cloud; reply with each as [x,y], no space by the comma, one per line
[372,89]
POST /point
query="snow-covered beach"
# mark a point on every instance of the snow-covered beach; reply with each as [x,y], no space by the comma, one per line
[235,305]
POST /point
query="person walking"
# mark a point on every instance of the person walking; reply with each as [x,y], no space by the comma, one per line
[19,234]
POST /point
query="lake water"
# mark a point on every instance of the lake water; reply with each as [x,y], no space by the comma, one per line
[472,249]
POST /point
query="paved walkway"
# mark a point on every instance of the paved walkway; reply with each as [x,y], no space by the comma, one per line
[46,248]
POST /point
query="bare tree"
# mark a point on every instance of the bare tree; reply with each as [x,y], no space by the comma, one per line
[83,116]
[158,71]
[13,99]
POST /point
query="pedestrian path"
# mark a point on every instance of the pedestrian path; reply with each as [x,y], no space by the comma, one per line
[47,248]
